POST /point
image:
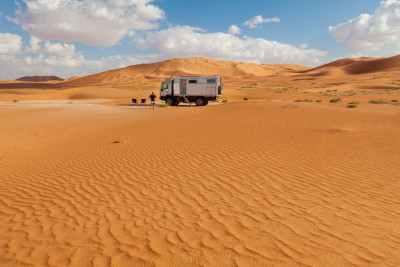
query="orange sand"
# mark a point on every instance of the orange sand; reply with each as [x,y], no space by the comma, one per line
[251,183]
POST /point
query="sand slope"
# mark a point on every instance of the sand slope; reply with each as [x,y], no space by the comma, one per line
[178,67]
[248,184]
[255,81]
[357,66]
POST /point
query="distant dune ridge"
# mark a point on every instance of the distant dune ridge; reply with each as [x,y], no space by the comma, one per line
[202,66]
[39,78]
[227,69]
[185,66]
[357,66]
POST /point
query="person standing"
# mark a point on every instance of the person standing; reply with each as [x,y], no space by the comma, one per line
[152,100]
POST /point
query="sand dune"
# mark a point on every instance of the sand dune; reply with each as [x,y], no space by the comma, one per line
[357,66]
[178,67]
[243,183]
[350,74]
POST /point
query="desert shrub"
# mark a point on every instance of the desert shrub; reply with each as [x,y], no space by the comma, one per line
[245,98]
[215,100]
[225,100]
[335,100]
[318,101]
[395,101]
[351,105]
[380,101]
[163,105]
[308,100]
[15,100]
[298,100]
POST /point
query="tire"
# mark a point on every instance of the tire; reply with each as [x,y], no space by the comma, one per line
[206,103]
[200,101]
[170,101]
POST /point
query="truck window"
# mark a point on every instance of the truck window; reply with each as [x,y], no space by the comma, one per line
[165,86]
[210,80]
[192,81]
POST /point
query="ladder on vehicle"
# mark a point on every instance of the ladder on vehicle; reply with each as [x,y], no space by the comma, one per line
[185,100]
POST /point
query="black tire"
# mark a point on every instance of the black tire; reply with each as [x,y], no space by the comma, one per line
[200,101]
[170,101]
[206,103]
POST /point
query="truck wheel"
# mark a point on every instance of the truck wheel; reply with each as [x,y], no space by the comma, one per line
[206,103]
[170,101]
[199,101]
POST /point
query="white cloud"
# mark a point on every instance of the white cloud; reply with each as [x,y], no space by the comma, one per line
[257,20]
[381,30]
[55,58]
[303,46]
[185,41]
[59,49]
[34,45]
[233,29]
[10,44]
[55,55]
[92,22]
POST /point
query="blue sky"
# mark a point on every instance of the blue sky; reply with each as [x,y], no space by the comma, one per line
[81,37]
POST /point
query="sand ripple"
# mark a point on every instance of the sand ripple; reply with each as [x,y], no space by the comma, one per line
[240,184]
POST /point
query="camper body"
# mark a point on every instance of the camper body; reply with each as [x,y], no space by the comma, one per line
[198,89]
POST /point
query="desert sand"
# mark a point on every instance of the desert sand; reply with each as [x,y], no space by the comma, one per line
[280,179]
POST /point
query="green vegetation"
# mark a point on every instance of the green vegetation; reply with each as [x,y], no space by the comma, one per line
[163,105]
[70,102]
[318,101]
[380,101]
[15,100]
[335,100]
[395,101]
[351,105]
[225,100]
[215,100]
[304,100]
[245,98]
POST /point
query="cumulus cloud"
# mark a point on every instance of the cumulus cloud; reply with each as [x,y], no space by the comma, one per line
[257,20]
[10,44]
[56,58]
[54,55]
[381,30]
[185,41]
[233,29]
[303,46]
[34,45]
[92,22]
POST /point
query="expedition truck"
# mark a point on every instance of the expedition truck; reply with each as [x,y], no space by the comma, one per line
[189,89]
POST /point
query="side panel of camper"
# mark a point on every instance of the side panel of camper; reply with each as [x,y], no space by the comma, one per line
[198,89]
